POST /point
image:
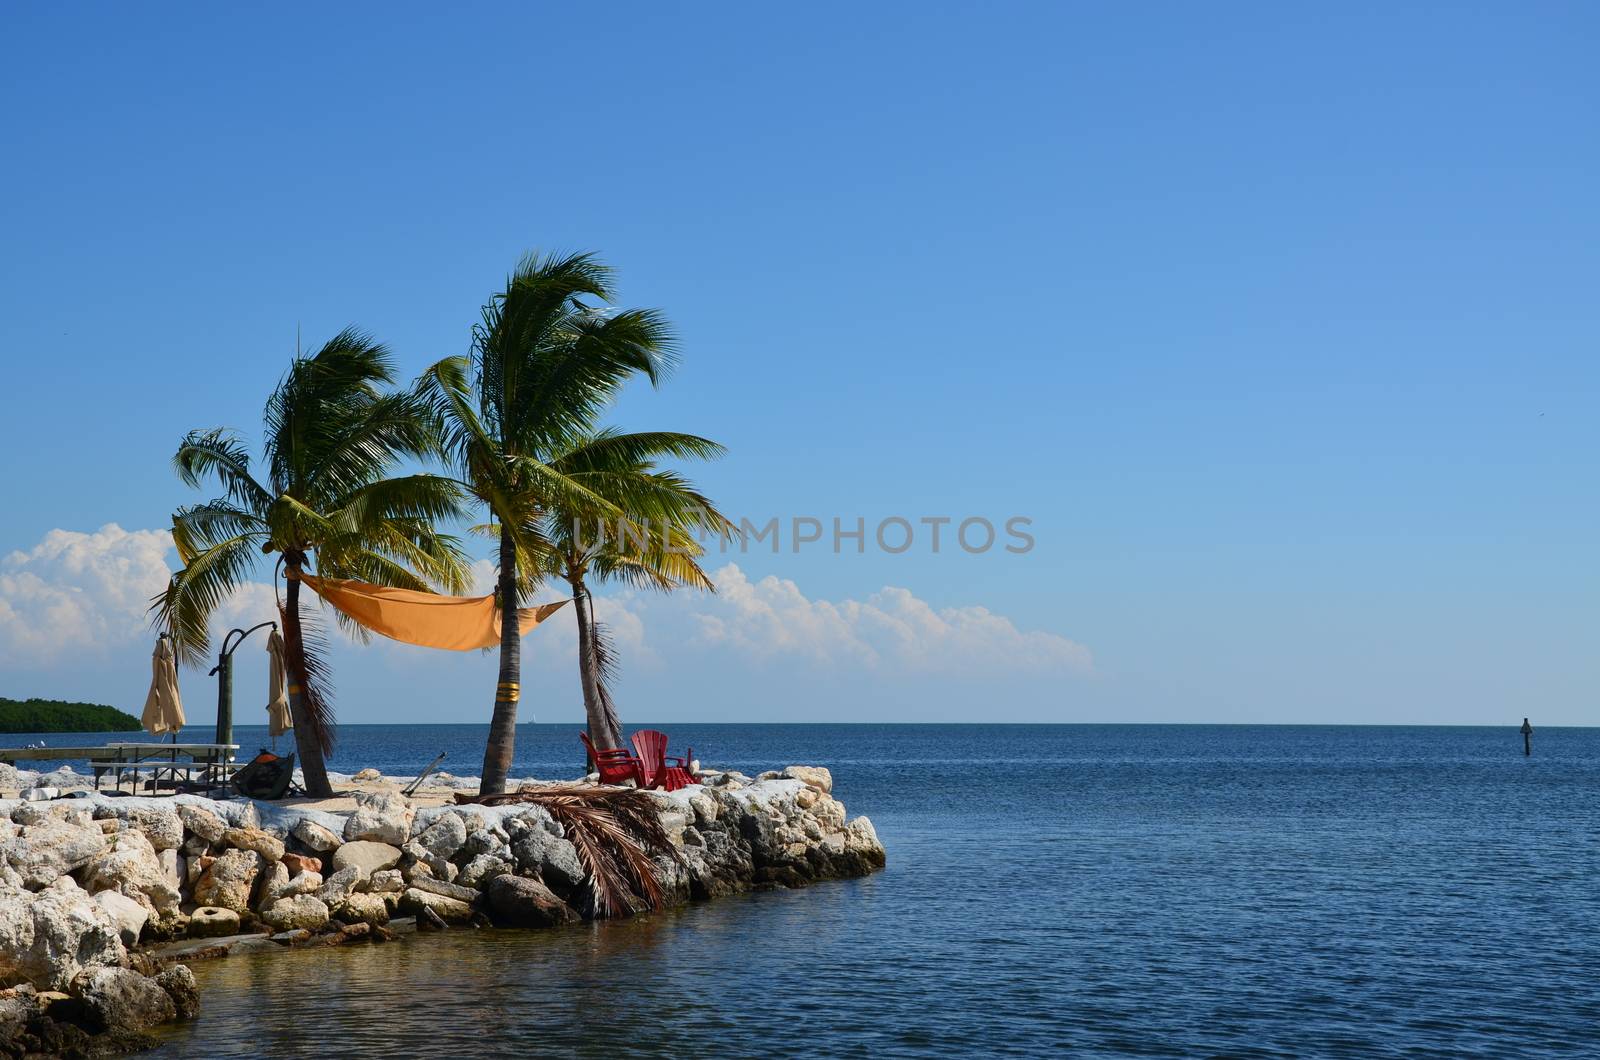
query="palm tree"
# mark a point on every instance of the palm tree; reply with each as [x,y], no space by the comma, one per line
[543,364]
[333,433]
[653,544]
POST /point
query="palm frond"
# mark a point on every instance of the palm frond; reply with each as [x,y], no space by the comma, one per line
[220,454]
[615,830]
[607,667]
[194,593]
[306,657]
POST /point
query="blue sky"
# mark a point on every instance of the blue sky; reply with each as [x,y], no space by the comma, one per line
[1278,323]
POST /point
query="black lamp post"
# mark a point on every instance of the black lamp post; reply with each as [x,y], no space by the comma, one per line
[224,675]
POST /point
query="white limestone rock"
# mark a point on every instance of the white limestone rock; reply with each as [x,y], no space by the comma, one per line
[380,817]
[202,823]
[130,866]
[50,937]
[130,916]
[227,881]
[445,836]
[340,884]
[366,855]
[42,853]
[315,836]
[812,776]
[303,911]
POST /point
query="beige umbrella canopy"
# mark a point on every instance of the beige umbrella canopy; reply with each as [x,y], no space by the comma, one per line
[278,718]
[163,710]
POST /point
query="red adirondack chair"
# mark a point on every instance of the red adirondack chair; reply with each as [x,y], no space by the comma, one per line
[615,765]
[650,748]
[658,768]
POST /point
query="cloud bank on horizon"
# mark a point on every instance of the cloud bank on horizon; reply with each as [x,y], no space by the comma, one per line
[82,597]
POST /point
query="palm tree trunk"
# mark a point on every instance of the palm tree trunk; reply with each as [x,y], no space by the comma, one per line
[602,731]
[503,725]
[312,766]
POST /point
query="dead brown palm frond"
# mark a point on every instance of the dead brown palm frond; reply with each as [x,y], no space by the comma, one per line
[606,666]
[615,830]
[307,660]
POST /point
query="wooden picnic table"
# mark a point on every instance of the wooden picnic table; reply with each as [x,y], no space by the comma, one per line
[210,763]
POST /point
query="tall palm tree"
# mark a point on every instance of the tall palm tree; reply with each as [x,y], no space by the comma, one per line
[333,433]
[543,364]
[654,543]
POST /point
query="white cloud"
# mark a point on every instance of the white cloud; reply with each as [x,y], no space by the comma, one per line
[80,593]
[891,630]
[76,593]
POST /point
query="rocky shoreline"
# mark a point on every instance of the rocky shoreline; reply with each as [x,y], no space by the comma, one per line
[102,898]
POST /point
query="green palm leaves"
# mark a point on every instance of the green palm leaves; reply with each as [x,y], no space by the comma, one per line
[547,357]
[514,423]
[333,434]
[645,531]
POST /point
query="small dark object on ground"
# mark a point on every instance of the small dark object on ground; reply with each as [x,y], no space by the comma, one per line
[266,776]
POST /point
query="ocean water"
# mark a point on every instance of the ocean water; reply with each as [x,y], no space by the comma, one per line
[1106,890]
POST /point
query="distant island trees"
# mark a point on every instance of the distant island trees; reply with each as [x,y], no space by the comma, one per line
[54,715]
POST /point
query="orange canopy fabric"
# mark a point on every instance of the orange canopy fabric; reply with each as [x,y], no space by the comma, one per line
[456,623]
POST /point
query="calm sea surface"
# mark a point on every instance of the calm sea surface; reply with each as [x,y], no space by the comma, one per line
[1145,890]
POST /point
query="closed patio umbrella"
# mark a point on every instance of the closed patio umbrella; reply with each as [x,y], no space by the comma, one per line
[163,710]
[279,721]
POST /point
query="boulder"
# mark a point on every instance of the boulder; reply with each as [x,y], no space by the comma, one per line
[130,915]
[555,860]
[386,881]
[160,824]
[122,999]
[381,817]
[300,883]
[60,812]
[269,846]
[202,823]
[482,869]
[367,855]
[363,909]
[50,937]
[367,775]
[444,836]
[227,880]
[315,836]
[210,921]
[521,902]
[705,809]
[449,890]
[9,778]
[269,881]
[303,911]
[173,866]
[178,981]
[297,863]
[450,910]
[341,883]
[483,841]
[436,866]
[130,866]
[42,853]
[861,838]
